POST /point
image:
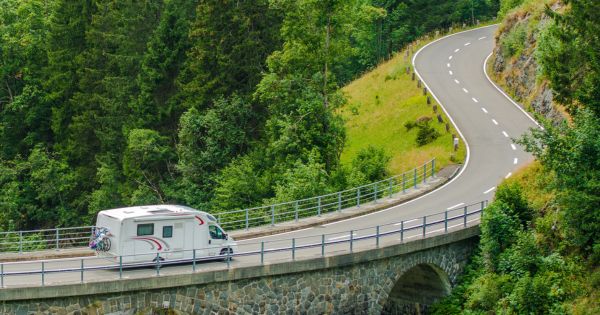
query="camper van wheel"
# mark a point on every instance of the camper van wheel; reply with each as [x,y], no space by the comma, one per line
[224,252]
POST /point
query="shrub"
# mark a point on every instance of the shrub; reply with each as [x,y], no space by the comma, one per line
[426,134]
[370,165]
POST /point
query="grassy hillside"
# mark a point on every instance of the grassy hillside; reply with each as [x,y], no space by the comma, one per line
[379,104]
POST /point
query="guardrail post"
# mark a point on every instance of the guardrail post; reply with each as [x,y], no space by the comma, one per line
[82,270]
[322,245]
[272,215]
[228,256]
[293,249]
[482,205]
[446,222]
[157,264]
[319,206]
[1,275]
[402,231]
[358,197]
[415,177]
[121,267]
[57,238]
[20,242]
[43,280]
[194,260]
[247,217]
[262,253]
[391,188]
[424,225]
[351,239]
[404,183]
[375,192]
[296,211]
[465,216]
[432,167]
[377,236]
[424,173]
[339,201]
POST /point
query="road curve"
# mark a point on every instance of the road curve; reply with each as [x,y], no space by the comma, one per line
[454,72]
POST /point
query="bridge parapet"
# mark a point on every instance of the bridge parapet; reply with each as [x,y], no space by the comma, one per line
[360,282]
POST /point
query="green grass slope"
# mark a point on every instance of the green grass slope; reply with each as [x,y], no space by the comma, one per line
[380,103]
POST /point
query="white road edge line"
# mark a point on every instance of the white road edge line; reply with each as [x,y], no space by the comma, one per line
[455,206]
[468,153]
[502,92]
[495,122]
[505,134]
[484,110]
[515,161]
[489,190]
[513,146]
[507,175]
[474,100]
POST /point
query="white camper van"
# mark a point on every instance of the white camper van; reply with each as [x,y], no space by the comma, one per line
[169,232]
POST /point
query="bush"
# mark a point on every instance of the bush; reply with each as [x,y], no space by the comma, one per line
[513,43]
[511,194]
[369,165]
[426,134]
[498,232]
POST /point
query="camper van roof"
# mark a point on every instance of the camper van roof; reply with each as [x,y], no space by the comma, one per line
[153,210]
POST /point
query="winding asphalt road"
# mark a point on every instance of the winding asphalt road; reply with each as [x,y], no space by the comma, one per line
[453,71]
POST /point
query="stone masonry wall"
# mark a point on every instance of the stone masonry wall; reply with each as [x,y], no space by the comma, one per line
[354,289]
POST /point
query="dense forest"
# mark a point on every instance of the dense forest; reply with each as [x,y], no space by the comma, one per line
[540,239]
[215,104]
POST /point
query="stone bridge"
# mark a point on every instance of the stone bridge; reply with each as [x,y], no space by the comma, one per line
[398,279]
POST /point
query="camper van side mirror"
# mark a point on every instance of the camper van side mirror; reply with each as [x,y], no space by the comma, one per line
[226,236]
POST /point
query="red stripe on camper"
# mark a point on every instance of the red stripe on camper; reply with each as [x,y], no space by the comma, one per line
[150,239]
[200,219]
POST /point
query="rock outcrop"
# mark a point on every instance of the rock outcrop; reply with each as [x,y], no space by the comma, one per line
[515,66]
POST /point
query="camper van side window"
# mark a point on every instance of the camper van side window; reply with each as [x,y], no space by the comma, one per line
[167,231]
[145,229]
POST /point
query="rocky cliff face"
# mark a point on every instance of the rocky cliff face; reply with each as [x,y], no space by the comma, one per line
[514,65]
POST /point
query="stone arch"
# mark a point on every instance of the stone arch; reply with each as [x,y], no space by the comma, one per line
[416,289]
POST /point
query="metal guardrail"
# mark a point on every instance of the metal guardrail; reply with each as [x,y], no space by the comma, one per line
[322,244]
[59,238]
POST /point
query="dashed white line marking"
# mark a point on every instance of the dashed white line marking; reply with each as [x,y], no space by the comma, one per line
[467,44]
[480,38]
[515,161]
[343,236]
[513,146]
[505,134]
[413,220]
[474,100]
[484,110]
[456,81]
[457,50]
[450,58]
[456,206]
[465,90]
[507,175]
[489,190]
[448,64]
[495,122]
[451,73]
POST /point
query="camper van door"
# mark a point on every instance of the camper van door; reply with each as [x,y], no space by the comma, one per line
[217,239]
